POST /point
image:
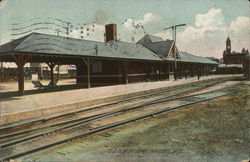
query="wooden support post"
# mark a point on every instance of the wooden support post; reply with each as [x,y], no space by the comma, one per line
[51,66]
[1,71]
[192,70]
[207,70]
[168,70]
[41,71]
[88,75]
[181,70]
[199,72]
[125,72]
[172,70]
[88,62]
[20,61]
[119,72]
[147,68]
[202,70]
[77,73]
[160,71]
[186,70]
[21,80]
[80,73]
[58,72]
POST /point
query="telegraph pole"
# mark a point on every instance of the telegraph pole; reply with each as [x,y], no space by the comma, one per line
[174,27]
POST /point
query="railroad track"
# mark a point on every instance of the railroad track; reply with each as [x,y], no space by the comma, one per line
[89,125]
[177,91]
[171,93]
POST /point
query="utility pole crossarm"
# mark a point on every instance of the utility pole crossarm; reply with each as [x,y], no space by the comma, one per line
[168,28]
[174,27]
[180,25]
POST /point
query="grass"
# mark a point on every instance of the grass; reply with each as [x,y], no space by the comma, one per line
[218,130]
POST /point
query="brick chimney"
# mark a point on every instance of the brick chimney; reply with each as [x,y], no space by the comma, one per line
[110,32]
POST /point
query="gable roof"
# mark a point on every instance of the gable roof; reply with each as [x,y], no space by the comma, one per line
[159,47]
[163,48]
[37,43]
[10,46]
[149,48]
[150,38]
[154,38]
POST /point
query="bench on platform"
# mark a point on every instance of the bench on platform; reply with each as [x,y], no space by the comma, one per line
[38,84]
[50,83]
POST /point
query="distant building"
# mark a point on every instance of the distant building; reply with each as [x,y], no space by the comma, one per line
[35,64]
[233,57]
[213,59]
[246,67]
[232,62]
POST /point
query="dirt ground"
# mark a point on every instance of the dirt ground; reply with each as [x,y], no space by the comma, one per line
[215,131]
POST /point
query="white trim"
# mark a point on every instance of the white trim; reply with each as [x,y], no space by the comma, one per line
[170,49]
[98,76]
[137,74]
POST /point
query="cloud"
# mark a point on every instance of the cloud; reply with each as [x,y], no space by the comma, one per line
[101,17]
[151,18]
[164,34]
[2,3]
[240,24]
[136,28]
[239,33]
[208,36]
[205,38]
[148,19]
[212,20]
[131,29]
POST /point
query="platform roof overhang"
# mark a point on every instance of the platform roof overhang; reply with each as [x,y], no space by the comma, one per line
[49,48]
[44,48]
[59,59]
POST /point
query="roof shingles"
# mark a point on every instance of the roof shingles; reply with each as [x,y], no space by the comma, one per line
[148,48]
[162,48]
[49,44]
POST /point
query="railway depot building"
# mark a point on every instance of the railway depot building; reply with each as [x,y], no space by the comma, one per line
[105,63]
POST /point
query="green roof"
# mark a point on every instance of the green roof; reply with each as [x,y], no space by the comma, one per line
[38,43]
[149,48]
[162,49]
[154,38]
[187,57]
[156,44]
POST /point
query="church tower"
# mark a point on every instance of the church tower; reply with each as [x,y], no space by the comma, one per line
[228,45]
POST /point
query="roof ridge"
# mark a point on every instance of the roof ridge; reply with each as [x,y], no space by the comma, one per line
[78,39]
[150,35]
[154,36]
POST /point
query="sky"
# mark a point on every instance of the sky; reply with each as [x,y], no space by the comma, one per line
[208,22]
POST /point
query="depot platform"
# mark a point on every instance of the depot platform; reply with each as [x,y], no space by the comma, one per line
[41,103]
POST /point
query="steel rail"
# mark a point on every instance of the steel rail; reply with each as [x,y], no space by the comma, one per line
[79,121]
[89,118]
[85,119]
[113,125]
[43,119]
[101,116]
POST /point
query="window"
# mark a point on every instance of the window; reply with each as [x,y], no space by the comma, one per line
[97,67]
